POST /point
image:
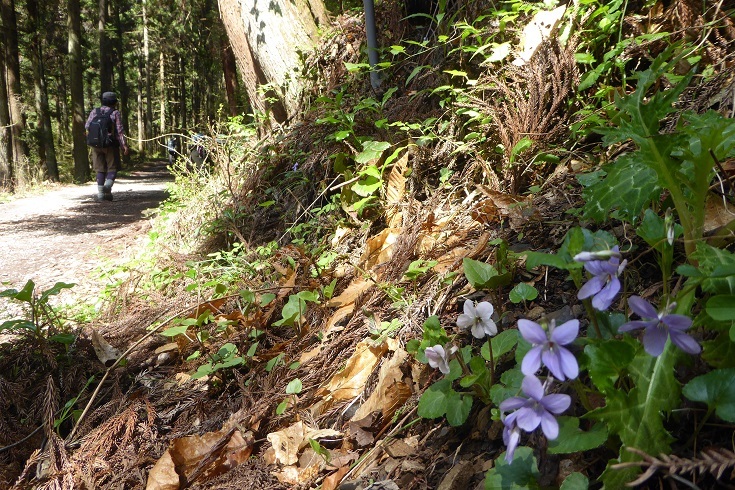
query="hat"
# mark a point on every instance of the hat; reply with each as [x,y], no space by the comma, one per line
[109,98]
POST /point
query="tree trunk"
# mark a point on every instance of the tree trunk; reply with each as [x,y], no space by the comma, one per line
[229,68]
[122,84]
[6,141]
[267,38]
[105,51]
[141,122]
[12,73]
[46,150]
[76,82]
[148,121]
[162,95]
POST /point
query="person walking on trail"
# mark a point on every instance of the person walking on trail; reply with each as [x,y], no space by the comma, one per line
[106,135]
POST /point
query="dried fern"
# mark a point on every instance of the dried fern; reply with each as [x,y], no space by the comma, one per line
[714,461]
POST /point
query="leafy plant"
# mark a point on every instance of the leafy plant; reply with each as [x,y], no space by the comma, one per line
[43,322]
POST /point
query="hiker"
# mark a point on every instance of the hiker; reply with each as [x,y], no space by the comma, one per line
[198,152]
[106,135]
[173,149]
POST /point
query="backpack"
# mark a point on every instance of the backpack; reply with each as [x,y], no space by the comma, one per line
[101,133]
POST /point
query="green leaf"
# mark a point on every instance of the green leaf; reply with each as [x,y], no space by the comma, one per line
[54,290]
[435,400]
[720,352]
[203,370]
[25,294]
[523,292]
[63,338]
[266,299]
[721,307]
[608,361]
[637,416]
[629,187]
[502,343]
[535,259]
[281,408]
[571,439]
[575,481]
[173,331]
[370,181]
[458,408]
[509,386]
[294,387]
[371,150]
[717,390]
[482,275]
[521,473]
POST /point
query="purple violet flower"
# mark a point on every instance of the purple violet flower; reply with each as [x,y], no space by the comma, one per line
[511,435]
[604,284]
[548,347]
[478,318]
[531,412]
[438,357]
[659,326]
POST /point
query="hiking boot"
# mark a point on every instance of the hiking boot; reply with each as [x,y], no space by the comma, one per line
[100,193]
[107,196]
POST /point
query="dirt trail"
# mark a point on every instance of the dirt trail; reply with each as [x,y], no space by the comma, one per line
[63,235]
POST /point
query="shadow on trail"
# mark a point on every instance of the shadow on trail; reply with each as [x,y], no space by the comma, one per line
[135,196]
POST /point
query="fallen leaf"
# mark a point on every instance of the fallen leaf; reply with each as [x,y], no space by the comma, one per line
[105,352]
[379,248]
[350,294]
[331,482]
[225,448]
[391,392]
[286,443]
[163,475]
[717,214]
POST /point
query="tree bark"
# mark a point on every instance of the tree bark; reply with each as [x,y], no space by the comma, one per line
[46,150]
[148,121]
[105,51]
[6,141]
[122,81]
[267,39]
[229,68]
[76,88]
[12,74]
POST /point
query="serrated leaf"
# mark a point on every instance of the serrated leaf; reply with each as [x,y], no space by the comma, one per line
[521,473]
[608,361]
[717,390]
[479,274]
[629,187]
[572,439]
[637,416]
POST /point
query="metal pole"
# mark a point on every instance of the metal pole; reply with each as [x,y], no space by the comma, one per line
[372,41]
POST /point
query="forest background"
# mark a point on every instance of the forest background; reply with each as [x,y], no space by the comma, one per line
[436,277]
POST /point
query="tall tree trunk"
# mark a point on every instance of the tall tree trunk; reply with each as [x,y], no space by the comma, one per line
[123,88]
[229,68]
[105,51]
[6,140]
[162,95]
[182,92]
[12,73]
[255,29]
[141,122]
[76,82]
[148,122]
[46,149]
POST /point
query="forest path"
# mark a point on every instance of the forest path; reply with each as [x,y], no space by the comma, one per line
[64,235]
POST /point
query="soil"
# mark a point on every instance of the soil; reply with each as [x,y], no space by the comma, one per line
[65,235]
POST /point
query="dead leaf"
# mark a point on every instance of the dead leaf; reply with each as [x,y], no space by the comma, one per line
[207,455]
[379,248]
[331,482]
[289,441]
[163,475]
[391,392]
[397,448]
[518,208]
[716,214]
[350,381]
[362,429]
[105,352]
[350,294]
